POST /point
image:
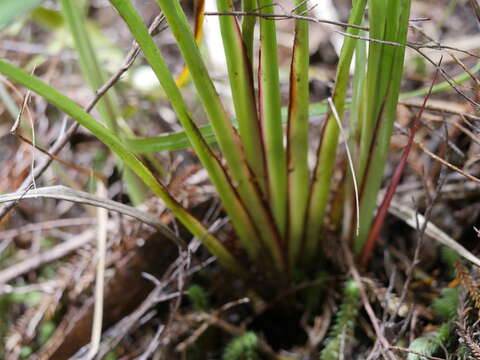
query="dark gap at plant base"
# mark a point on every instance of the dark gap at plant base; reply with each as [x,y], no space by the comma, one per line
[280,326]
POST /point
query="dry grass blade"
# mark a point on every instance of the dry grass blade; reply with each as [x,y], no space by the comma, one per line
[64,193]
[410,216]
[45,225]
[102,217]
[350,161]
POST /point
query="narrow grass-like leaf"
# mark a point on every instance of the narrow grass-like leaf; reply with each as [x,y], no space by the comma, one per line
[199,5]
[243,92]
[376,86]
[225,132]
[179,140]
[248,26]
[444,85]
[107,106]
[169,142]
[218,176]
[376,153]
[109,139]
[270,115]
[357,114]
[89,64]
[297,137]
[327,150]
[390,192]
[10,9]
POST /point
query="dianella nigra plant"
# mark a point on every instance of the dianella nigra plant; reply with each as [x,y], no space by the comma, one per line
[278,205]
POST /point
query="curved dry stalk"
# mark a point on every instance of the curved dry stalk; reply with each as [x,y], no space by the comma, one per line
[349,159]
[61,192]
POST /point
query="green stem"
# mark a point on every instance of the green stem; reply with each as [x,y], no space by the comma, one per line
[107,107]
[327,150]
[377,152]
[297,137]
[243,92]
[270,114]
[179,140]
[357,114]
[248,27]
[226,135]
[235,208]
[376,86]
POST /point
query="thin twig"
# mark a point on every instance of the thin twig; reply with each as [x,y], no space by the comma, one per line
[421,231]
[448,108]
[366,304]
[446,163]
[364,38]
[476,8]
[124,326]
[46,225]
[154,344]
[63,138]
[445,75]
[55,253]
[286,16]
[88,172]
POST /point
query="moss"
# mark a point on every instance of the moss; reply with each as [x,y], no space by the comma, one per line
[343,329]
[242,348]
